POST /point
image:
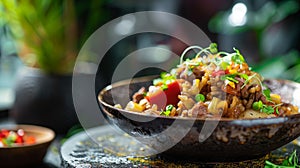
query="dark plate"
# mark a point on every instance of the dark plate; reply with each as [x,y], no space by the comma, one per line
[199,139]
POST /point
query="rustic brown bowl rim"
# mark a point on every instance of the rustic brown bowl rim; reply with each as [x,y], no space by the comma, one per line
[250,121]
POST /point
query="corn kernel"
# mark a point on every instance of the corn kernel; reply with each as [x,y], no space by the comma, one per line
[275,98]
[232,71]
[197,82]
[231,84]
[132,106]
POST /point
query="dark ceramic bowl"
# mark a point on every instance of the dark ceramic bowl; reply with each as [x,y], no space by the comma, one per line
[220,140]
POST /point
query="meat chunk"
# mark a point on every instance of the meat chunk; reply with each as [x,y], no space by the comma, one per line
[198,110]
[139,95]
[198,73]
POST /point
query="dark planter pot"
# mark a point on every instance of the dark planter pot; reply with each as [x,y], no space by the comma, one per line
[45,100]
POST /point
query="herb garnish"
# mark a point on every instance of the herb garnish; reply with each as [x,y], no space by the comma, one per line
[290,162]
[266,93]
[238,57]
[213,48]
[262,107]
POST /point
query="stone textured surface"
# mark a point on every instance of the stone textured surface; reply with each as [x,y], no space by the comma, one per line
[106,147]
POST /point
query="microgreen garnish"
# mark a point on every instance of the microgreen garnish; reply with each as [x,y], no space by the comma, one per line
[262,107]
[266,93]
[229,77]
[200,97]
[257,105]
[277,111]
[188,49]
[213,48]
[245,76]
[249,78]
[290,162]
[267,109]
[238,57]
[224,65]
[168,110]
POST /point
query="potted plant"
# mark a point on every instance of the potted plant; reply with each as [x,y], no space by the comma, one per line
[48,36]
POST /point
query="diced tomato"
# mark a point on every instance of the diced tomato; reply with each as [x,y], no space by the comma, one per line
[218,73]
[5,132]
[19,139]
[172,93]
[11,137]
[163,98]
[29,140]
[2,135]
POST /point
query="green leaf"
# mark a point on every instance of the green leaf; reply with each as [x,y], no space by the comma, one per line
[266,93]
[268,109]
[232,79]
[200,97]
[229,77]
[237,58]
[257,105]
[290,162]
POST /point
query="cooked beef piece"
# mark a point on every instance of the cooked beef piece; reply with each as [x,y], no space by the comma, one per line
[139,95]
[198,73]
[198,110]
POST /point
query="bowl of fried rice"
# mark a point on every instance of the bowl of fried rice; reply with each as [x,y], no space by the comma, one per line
[210,108]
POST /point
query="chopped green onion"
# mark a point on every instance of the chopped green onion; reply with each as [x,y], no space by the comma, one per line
[165,79]
[164,87]
[165,113]
[200,97]
[157,81]
[169,107]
